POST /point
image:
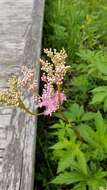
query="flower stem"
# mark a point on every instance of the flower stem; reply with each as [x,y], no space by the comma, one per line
[22,106]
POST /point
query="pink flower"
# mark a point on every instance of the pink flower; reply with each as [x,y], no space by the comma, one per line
[51,100]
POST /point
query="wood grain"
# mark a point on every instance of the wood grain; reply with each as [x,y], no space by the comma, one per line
[20,43]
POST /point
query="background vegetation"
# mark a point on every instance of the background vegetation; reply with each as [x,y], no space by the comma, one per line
[78,139]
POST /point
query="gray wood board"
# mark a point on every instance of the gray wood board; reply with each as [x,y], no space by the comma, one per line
[20,43]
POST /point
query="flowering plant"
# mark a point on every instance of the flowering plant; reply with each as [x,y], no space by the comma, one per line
[52,96]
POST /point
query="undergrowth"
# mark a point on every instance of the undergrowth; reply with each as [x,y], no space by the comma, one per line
[72,145]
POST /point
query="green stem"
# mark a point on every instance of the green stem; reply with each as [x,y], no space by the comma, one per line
[64,117]
[22,105]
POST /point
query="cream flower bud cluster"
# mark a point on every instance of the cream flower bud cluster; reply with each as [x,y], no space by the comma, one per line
[10,96]
[48,71]
[55,69]
[27,80]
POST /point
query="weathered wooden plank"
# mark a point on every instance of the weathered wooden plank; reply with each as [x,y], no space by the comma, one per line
[20,40]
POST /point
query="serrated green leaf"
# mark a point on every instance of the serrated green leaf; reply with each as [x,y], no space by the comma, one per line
[71,134]
[76,111]
[82,164]
[100,174]
[100,89]
[99,123]
[97,180]
[87,133]
[59,145]
[59,125]
[102,66]
[61,134]
[68,178]
[58,115]
[98,97]
[64,144]
[65,162]
[56,126]
[59,153]
[80,186]
[81,82]
[88,116]
[104,77]
[68,116]
[105,104]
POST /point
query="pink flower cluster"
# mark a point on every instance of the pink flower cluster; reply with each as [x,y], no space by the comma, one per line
[53,77]
[51,100]
[54,71]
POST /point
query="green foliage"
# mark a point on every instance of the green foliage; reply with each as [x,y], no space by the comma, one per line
[78,137]
[97,62]
[74,24]
[100,96]
[80,149]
